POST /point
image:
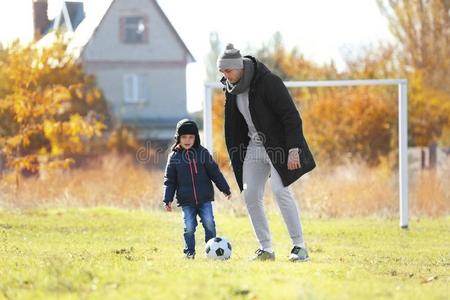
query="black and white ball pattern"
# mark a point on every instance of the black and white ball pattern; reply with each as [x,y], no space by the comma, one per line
[218,248]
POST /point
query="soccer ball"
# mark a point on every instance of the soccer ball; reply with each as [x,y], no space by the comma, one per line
[218,248]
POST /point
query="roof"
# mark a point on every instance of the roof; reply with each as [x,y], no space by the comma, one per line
[88,27]
[174,31]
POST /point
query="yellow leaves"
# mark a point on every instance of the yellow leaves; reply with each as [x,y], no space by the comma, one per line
[57,94]
[122,138]
[42,151]
[5,105]
[14,141]
[355,122]
[59,164]
[78,126]
[429,111]
[49,105]
[90,98]
[77,90]
[75,126]
[57,149]
[25,140]
[93,96]
[27,162]
[21,140]
[51,129]
[97,93]
[72,136]
[22,109]
[218,127]
[99,127]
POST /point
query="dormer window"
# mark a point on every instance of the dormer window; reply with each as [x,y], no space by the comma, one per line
[134,29]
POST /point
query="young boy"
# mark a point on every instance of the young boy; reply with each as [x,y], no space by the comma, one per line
[189,171]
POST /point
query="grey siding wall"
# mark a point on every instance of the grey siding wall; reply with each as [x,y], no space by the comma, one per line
[167,91]
[162,59]
[162,45]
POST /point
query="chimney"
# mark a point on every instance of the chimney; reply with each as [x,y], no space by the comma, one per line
[40,19]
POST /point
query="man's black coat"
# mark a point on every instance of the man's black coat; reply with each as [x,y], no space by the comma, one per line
[275,117]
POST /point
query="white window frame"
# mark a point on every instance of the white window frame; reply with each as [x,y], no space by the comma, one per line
[135,96]
[127,26]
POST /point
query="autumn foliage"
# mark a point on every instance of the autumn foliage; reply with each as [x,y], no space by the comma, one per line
[343,123]
[339,123]
[50,110]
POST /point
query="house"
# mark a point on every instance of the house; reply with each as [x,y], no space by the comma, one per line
[135,53]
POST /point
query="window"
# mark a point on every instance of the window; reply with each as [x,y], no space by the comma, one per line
[136,88]
[134,30]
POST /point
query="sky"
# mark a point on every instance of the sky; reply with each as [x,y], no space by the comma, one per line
[322,30]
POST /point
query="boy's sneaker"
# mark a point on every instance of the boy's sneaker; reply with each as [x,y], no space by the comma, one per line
[262,255]
[189,255]
[298,254]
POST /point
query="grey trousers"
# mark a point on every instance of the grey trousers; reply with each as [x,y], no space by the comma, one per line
[256,170]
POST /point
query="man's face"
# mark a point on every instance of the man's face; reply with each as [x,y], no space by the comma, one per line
[232,75]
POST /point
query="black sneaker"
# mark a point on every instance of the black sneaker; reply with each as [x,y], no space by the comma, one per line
[298,254]
[262,255]
[189,255]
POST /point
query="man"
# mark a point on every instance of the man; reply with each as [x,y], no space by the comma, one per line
[264,137]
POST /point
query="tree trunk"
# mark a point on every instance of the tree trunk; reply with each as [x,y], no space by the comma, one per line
[432,149]
[422,159]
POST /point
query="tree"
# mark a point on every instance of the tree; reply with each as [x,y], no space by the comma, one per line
[378,61]
[422,30]
[272,54]
[429,111]
[50,110]
[211,59]
[352,123]
[338,122]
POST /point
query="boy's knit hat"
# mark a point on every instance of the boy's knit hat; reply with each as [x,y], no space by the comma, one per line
[230,58]
[187,126]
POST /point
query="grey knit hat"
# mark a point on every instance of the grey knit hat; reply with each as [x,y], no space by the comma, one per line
[231,58]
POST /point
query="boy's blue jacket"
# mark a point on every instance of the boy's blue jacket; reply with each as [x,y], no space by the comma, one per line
[189,174]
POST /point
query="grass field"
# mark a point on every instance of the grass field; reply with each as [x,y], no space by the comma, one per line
[107,253]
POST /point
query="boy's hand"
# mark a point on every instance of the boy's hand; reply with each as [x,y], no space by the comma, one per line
[228,197]
[168,207]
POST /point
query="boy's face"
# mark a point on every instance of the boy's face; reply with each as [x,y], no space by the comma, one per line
[232,75]
[187,141]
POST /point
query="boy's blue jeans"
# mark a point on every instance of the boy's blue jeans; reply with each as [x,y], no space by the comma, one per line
[190,213]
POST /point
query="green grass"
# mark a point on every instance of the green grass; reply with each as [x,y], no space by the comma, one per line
[108,253]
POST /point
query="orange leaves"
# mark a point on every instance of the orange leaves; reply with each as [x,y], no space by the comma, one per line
[93,96]
[220,151]
[26,162]
[78,126]
[70,136]
[48,107]
[77,90]
[14,141]
[57,94]
[350,121]
[429,111]
[421,29]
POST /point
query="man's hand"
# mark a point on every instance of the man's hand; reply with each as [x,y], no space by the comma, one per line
[294,159]
[168,207]
[228,197]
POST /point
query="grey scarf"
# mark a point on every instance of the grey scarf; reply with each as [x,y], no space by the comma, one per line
[244,83]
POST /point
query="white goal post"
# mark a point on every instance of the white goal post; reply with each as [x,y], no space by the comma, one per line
[402,85]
